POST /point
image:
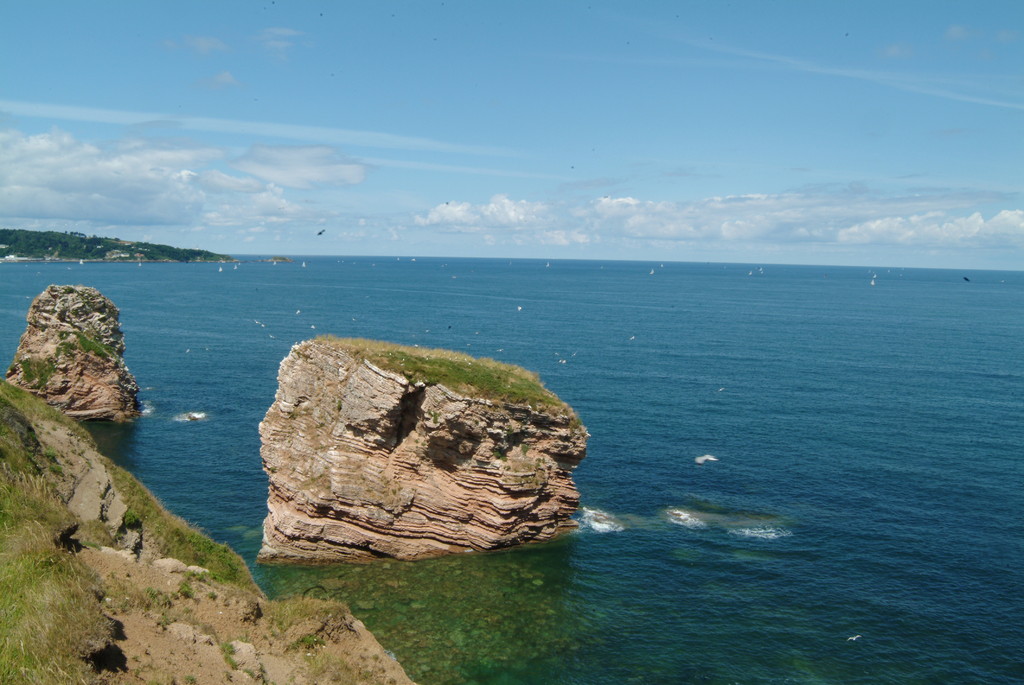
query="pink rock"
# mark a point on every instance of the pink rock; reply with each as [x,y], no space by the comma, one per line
[364,463]
[70,355]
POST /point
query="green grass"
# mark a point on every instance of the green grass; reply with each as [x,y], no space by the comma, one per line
[49,615]
[35,411]
[168,533]
[228,651]
[37,372]
[50,611]
[481,377]
[175,538]
[87,344]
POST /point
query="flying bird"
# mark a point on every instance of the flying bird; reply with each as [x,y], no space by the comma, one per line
[705,458]
[967,279]
[852,638]
[321,231]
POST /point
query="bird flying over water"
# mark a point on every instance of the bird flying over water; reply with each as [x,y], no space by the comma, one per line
[321,231]
[705,458]
[852,638]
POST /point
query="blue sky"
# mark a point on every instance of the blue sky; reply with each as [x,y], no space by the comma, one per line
[871,133]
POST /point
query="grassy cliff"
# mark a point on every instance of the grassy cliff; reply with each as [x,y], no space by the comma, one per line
[477,377]
[73,610]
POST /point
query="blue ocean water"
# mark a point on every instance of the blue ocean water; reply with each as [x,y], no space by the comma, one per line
[869,439]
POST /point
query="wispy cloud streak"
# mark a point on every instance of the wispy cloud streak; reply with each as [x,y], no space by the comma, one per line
[913,83]
[317,134]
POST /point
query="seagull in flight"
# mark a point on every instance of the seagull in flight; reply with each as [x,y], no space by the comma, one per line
[321,231]
[854,637]
[705,458]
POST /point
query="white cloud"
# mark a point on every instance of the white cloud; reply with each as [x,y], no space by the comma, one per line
[318,134]
[201,45]
[278,40]
[563,238]
[935,229]
[959,32]
[220,81]
[300,166]
[450,214]
[204,45]
[54,176]
[850,215]
[266,208]
[847,215]
[500,212]
[897,51]
[950,87]
[217,181]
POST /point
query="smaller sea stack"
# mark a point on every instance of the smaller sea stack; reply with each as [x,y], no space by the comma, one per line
[379,450]
[71,356]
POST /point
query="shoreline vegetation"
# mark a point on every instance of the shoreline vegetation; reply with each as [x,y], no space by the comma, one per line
[18,245]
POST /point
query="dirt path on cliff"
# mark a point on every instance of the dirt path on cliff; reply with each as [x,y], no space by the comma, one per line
[174,625]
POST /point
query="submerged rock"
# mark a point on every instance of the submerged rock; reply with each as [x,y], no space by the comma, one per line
[376,450]
[71,355]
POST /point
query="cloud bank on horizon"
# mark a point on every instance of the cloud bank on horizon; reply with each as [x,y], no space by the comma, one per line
[648,133]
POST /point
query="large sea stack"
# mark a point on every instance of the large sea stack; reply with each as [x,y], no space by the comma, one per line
[378,450]
[71,355]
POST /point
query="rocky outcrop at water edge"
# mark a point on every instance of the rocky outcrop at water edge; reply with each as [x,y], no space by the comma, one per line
[71,355]
[369,454]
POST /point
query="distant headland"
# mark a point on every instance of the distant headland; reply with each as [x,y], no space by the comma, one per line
[18,245]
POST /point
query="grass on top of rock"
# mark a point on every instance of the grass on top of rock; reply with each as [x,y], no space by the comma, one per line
[457,371]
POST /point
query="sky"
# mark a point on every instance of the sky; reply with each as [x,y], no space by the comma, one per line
[860,133]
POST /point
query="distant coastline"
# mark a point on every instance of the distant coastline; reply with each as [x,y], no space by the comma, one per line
[18,245]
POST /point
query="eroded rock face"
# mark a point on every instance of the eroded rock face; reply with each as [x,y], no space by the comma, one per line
[363,464]
[71,355]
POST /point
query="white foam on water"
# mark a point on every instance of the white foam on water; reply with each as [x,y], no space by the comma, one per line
[685,518]
[147,408]
[191,416]
[599,521]
[762,532]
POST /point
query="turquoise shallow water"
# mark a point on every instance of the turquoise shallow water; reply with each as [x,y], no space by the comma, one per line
[869,441]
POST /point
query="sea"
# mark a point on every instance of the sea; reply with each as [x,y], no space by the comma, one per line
[863,521]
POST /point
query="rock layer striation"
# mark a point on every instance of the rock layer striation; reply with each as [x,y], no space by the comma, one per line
[71,355]
[366,461]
